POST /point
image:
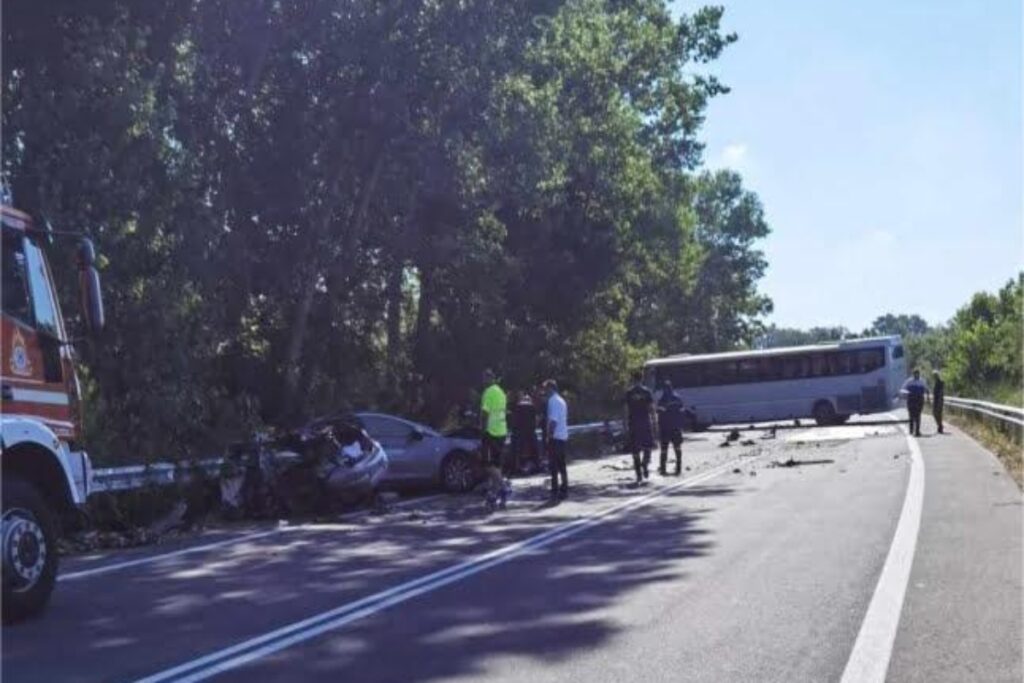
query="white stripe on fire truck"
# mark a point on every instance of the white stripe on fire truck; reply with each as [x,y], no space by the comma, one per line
[53,398]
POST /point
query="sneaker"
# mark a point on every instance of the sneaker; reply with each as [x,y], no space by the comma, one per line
[647,473]
[662,471]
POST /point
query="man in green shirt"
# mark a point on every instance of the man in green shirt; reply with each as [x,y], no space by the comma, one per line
[493,420]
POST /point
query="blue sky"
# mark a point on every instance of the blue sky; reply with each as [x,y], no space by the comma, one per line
[884,139]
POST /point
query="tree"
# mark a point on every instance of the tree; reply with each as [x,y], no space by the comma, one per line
[314,205]
[903,325]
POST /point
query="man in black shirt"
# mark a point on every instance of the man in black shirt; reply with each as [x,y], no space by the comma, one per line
[670,427]
[524,431]
[640,425]
[938,398]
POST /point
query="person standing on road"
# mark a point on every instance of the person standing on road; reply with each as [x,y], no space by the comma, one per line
[524,431]
[640,423]
[670,427]
[557,430]
[493,420]
[915,389]
[938,398]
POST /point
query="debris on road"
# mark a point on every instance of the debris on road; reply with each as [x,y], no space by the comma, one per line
[734,435]
[724,444]
[747,442]
[791,462]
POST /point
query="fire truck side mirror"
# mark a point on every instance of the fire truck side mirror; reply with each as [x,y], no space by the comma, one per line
[89,286]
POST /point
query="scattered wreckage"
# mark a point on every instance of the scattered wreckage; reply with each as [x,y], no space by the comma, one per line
[328,464]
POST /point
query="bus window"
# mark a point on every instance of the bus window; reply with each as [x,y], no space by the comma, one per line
[819,365]
[794,367]
[722,372]
[688,376]
[771,369]
[870,360]
[748,370]
[897,352]
[839,362]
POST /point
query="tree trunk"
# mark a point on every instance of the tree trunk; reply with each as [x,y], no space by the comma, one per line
[394,294]
[394,321]
[300,324]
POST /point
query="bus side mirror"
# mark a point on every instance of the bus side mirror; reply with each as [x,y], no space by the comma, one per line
[89,287]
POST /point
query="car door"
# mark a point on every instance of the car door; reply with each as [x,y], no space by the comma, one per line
[396,436]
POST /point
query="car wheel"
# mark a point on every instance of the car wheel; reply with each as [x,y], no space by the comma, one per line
[457,473]
[29,550]
[824,414]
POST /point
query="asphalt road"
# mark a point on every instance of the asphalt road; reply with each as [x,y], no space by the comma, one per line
[740,570]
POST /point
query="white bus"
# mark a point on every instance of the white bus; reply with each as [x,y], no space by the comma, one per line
[828,382]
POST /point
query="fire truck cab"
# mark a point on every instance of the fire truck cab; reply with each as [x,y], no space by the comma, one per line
[44,471]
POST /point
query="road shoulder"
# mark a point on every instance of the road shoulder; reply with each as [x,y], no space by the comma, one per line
[962,616]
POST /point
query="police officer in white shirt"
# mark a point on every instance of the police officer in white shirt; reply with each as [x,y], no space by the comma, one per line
[557,430]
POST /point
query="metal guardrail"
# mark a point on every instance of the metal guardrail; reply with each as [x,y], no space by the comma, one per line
[112,479]
[1005,414]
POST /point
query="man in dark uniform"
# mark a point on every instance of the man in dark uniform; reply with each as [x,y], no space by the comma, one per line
[938,398]
[915,389]
[640,425]
[524,432]
[670,427]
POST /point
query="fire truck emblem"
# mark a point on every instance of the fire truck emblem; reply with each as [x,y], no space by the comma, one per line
[20,363]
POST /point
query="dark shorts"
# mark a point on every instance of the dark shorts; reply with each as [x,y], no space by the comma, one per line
[671,436]
[492,447]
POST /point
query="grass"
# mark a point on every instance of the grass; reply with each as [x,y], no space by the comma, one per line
[1005,443]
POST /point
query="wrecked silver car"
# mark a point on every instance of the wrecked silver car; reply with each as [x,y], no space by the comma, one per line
[328,464]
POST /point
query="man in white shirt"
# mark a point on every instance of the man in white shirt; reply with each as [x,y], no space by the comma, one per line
[557,430]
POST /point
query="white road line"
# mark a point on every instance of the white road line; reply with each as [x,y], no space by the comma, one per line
[106,569]
[152,559]
[247,651]
[869,660]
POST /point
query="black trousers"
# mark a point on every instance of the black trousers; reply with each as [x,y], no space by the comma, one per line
[915,418]
[641,462]
[493,448]
[675,437]
[557,465]
[937,413]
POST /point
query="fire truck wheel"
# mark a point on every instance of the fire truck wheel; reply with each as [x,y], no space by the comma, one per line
[29,536]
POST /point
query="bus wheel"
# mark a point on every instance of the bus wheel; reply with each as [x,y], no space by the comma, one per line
[823,413]
[29,550]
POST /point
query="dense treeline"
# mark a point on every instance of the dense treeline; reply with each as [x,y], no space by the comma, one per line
[979,351]
[314,204]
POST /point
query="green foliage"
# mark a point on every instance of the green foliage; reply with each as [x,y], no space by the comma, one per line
[904,325]
[313,205]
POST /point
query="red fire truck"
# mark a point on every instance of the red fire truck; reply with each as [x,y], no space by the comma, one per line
[45,473]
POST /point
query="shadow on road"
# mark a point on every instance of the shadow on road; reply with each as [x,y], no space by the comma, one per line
[548,606]
[545,605]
